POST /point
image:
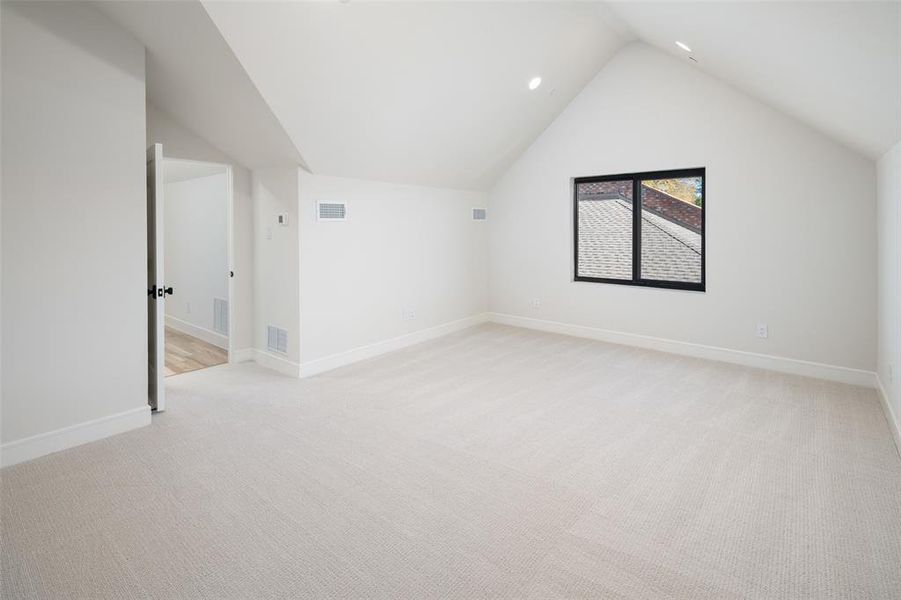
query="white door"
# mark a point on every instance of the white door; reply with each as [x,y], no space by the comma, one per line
[156,290]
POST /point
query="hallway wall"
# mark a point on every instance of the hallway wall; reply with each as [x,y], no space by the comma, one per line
[196,254]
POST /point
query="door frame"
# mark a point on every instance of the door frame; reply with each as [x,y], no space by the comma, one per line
[156,308]
[229,240]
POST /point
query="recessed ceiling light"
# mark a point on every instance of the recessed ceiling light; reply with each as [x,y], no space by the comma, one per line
[683,46]
[534,83]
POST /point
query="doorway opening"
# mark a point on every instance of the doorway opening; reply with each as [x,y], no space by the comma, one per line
[189,268]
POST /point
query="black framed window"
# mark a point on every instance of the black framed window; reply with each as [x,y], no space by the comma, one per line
[641,229]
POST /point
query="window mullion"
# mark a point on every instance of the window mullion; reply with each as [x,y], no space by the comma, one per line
[636,229]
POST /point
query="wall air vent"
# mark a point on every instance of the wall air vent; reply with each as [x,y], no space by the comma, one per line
[480,214]
[277,340]
[331,211]
[220,316]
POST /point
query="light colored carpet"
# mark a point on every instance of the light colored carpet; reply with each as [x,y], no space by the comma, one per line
[493,463]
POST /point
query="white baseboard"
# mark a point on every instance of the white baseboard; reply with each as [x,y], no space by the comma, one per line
[266,359]
[276,363]
[341,359]
[201,333]
[242,355]
[35,446]
[890,415]
[739,357]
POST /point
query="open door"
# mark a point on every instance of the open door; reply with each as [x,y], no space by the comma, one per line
[156,291]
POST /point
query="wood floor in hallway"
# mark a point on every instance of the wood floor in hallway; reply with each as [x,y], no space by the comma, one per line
[186,353]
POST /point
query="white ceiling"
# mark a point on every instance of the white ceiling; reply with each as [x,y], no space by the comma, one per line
[175,170]
[193,76]
[435,93]
[833,65]
[429,93]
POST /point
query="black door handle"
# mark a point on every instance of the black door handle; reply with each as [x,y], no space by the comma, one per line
[160,292]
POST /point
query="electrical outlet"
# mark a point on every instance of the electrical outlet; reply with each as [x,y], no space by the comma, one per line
[762,330]
[535,303]
[269,233]
[407,314]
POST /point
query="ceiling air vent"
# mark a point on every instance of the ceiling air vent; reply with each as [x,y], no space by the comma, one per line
[480,214]
[332,211]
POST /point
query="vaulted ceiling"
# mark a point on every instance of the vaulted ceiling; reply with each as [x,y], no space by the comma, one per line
[193,75]
[436,93]
[430,93]
[835,66]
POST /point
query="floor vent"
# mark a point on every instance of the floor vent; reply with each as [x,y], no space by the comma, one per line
[480,214]
[277,340]
[220,316]
[332,211]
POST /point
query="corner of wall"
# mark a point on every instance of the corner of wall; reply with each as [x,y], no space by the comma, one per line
[276,256]
[892,418]
[888,173]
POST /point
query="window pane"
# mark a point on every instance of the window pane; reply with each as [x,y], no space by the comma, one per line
[671,229]
[605,229]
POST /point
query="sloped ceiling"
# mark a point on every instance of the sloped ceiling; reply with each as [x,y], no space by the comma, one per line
[431,93]
[435,93]
[833,65]
[193,76]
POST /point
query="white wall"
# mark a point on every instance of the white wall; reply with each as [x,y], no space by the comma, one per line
[74,319]
[180,142]
[402,247]
[790,218]
[889,186]
[276,262]
[196,253]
